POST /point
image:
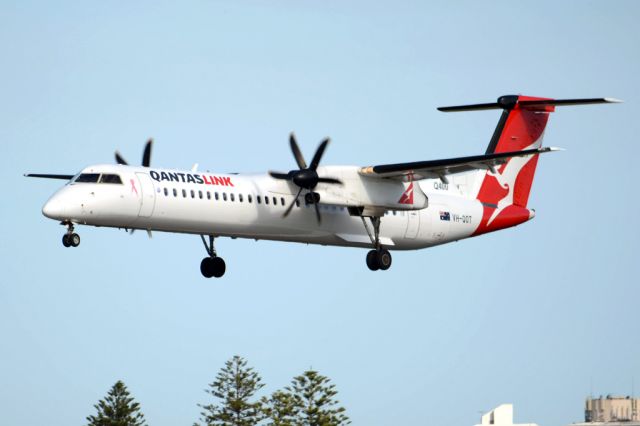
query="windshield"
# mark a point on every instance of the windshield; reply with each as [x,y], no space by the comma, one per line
[98,178]
[87,178]
[107,178]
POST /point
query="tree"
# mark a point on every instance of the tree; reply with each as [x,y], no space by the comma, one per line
[235,385]
[117,409]
[309,401]
[280,409]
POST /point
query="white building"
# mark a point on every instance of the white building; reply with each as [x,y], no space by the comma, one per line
[501,416]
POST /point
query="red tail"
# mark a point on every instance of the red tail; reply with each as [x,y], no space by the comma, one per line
[504,192]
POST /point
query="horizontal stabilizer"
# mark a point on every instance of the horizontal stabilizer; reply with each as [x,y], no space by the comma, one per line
[510,101]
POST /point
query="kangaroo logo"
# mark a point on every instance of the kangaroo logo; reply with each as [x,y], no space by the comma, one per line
[507,179]
[407,195]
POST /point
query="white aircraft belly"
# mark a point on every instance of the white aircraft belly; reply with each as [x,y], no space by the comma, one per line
[265,221]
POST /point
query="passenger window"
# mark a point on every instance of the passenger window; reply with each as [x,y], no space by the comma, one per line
[240,197]
[275,201]
[282,200]
[184,193]
[258,199]
[297,203]
[266,200]
[208,195]
[216,196]
[88,178]
[166,192]
[175,192]
[200,194]
[233,198]
[109,178]
[249,198]
[224,196]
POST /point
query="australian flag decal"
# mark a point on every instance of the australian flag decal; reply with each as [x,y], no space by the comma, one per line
[445,215]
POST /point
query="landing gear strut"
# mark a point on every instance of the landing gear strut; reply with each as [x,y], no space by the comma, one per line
[379,257]
[212,266]
[70,238]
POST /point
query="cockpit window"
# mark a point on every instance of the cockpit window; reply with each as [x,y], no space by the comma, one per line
[108,178]
[88,178]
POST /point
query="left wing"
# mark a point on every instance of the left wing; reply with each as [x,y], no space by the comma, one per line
[439,169]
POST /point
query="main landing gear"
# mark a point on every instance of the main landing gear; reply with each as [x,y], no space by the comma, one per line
[212,266]
[70,238]
[379,258]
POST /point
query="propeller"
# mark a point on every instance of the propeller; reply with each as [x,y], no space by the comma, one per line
[305,177]
[146,155]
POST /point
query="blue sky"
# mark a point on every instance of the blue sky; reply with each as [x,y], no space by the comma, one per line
[538,315]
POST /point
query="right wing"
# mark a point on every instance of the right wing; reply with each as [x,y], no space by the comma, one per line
[49,176]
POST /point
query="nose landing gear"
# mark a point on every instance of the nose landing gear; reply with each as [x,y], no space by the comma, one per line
[70,239]
[212,266]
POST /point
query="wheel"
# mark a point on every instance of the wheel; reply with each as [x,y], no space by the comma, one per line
[372,260]
[206,267]
[384,259]
[74,240]
[65,240]
[219,267]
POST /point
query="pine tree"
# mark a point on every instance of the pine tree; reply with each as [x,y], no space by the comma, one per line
[117,409]
[280,409]
[235,386]
[314,401]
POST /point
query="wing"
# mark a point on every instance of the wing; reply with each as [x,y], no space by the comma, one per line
[49,176]
[439,169]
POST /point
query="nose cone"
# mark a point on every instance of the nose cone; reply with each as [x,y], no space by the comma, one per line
[54,208]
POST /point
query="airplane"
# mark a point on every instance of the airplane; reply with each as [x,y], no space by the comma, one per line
[384,208]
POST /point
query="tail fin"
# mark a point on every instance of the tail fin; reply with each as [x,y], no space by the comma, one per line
[504,192]
[520,127]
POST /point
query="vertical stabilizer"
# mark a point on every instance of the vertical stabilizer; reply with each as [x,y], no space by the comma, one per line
[504,192]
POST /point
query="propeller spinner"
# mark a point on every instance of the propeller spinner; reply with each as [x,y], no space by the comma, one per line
[305,177]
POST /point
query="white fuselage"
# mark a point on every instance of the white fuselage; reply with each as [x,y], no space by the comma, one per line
[252,206]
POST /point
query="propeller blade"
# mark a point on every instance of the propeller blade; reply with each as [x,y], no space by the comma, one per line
[120,159]
[146,155]
[318,155]
[278,175]
[329,180]
[317,212]
[293,203]
[49,176]
[296,152]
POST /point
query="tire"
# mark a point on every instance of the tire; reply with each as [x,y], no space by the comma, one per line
[65,240]
[219,267]
[373,262]
[74,240]
[384,259]
[206,267]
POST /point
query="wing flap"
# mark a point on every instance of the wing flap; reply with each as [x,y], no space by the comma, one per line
[441,168]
